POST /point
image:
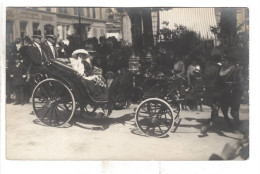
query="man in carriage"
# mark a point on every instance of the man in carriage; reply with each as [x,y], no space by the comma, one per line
[49,47]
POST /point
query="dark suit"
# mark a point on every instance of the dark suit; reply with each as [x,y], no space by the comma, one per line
[18,81]
[36,59]
[35,65]
[48,52]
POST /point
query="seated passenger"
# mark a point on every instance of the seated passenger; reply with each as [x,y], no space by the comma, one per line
[81,62]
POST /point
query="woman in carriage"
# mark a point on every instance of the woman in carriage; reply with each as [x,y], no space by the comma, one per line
[80,61]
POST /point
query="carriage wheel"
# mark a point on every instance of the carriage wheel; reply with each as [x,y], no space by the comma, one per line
[173,100]
[53,102]
[154,117]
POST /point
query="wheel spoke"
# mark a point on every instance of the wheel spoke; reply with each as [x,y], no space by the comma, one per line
[45,114]
[160,129]
[44,90]
[61,113]
[164,124]
[42,108]
[56,115]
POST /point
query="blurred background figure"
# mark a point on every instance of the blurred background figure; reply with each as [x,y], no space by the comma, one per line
[18,76]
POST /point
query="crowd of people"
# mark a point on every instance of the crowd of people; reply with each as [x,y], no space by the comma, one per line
[25,57]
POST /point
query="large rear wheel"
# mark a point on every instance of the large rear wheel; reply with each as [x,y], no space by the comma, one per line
[53,102]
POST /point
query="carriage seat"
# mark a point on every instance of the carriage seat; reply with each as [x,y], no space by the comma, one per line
[95,92]
[63,64]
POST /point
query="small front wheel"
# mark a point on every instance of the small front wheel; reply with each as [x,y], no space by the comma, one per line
[154,117]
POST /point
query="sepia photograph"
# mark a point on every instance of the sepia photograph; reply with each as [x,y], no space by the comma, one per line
[105,84]
[125,83]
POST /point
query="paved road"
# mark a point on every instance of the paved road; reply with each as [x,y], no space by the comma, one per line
[116,138]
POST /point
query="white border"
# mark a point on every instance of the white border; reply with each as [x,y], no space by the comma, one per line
[250,166]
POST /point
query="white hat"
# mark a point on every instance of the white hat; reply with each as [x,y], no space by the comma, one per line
[79,51]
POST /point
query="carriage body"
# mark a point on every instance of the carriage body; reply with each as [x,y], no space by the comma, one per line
[60,90]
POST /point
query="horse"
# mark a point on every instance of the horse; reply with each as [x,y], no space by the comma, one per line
[223,89]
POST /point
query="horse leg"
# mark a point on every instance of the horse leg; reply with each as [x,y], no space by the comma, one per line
[224,109]
[235,106]
[214,115]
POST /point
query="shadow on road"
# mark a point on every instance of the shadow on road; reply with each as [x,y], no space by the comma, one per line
[99,124]
[220,126]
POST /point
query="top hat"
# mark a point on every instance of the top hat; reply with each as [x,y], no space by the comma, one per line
[37,34]
[50,36]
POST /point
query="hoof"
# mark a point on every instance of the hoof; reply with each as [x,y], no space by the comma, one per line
[203,129]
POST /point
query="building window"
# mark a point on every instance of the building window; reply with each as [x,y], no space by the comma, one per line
[102,33]
[48,9]
[76,11]
[62,10]
[88,12]
[94,12]
[100,9]
[35,27]
[9,31]
[48,29]
[23,28]
[94,32]
[81,12]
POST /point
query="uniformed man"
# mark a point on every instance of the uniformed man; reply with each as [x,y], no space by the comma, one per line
[49,47]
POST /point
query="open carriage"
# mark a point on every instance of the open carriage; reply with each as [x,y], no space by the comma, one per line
[60,91]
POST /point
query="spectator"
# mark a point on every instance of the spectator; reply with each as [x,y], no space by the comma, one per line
[178,67]
[191,73]
[18,74]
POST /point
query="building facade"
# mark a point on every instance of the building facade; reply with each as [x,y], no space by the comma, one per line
[62,22]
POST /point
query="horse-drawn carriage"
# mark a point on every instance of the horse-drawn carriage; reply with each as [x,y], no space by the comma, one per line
[60,90]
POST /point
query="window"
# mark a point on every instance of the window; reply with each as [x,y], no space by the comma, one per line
[48,29]
[23,27]
[94,12]
[76,11]
[9,31]
[100,13]
[62,10]
[102,33]
[35,27]
[81,12]
[95,32]
[48,9]
[88,12]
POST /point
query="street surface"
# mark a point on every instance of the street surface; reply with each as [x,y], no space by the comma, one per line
[115,138]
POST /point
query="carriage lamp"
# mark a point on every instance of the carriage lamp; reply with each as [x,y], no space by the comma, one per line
[134,65]
[148,57]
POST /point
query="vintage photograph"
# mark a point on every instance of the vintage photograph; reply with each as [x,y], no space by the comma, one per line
[127,83]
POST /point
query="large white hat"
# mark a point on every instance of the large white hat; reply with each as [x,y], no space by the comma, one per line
[79,51]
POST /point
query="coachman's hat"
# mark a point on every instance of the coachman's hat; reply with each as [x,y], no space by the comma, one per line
[37,34]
